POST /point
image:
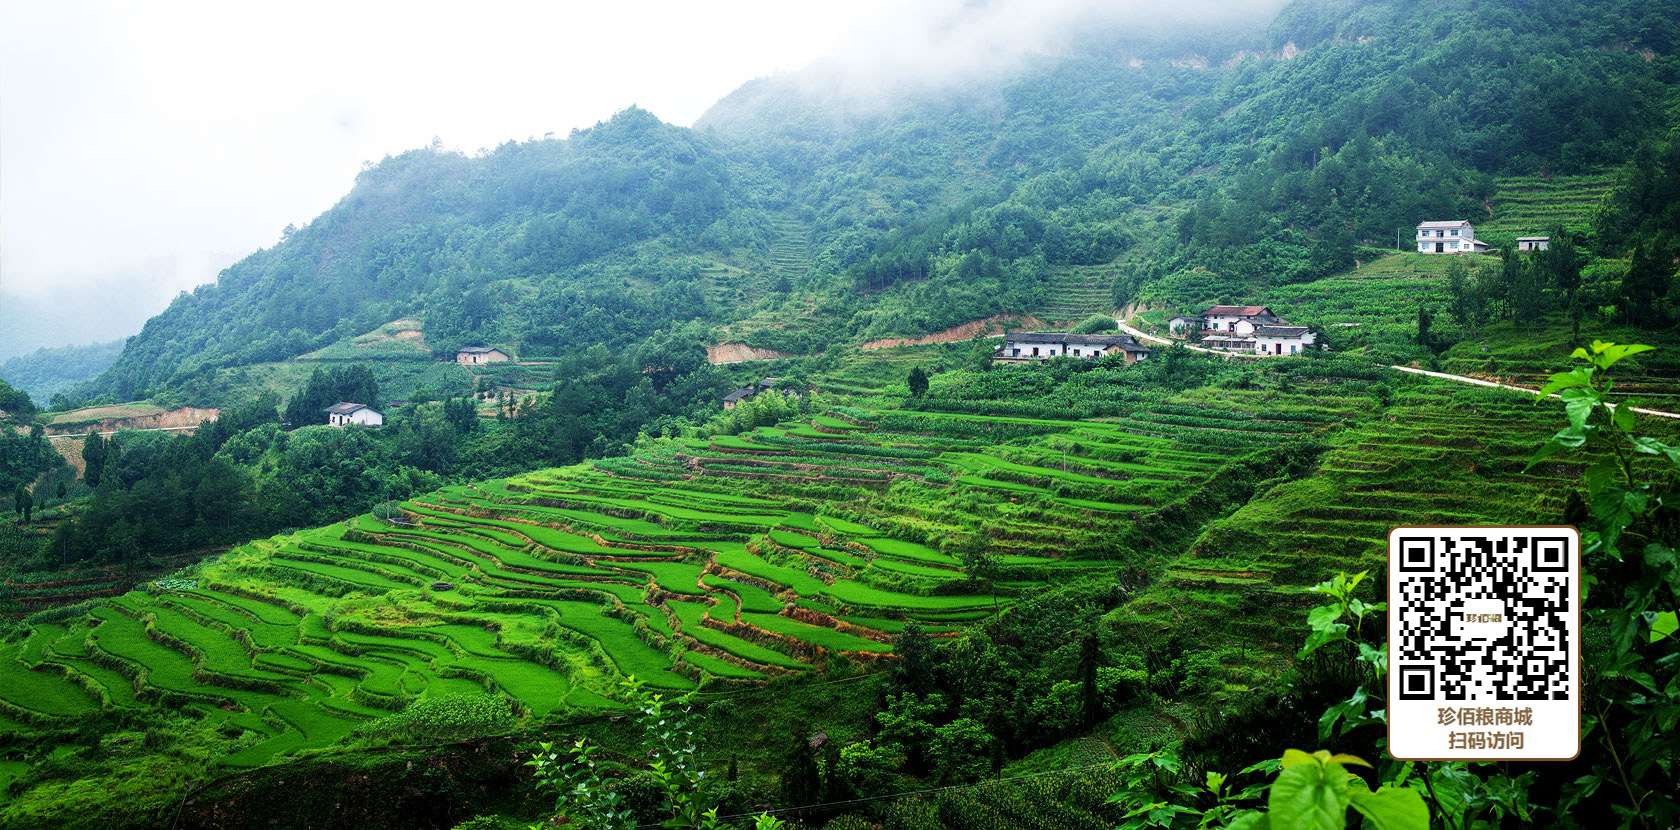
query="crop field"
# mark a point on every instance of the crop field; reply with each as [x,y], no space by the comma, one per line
[1532,205]
[1440,453]
[1077,292]
[1379,298]
[396,340]
[873,372]
[1528,355]
[697,564]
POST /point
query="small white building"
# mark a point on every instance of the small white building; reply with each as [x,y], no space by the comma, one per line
[1455,236]
[1184,322]
[472,355]
[1533,243]
[1238,319]
[1282,340]
[1032,346]
[344,414]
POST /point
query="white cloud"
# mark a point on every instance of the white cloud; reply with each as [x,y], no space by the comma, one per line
[145,146]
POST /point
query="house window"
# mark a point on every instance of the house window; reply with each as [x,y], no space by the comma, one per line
[1455,232]
[1015,353]
[1075,352]
[1292,347]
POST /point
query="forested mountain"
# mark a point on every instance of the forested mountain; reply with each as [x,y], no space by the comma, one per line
[48,371]
[1272,152]
[914,587]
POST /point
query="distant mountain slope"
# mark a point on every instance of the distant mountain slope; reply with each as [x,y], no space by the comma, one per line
[48,371]
[800,215]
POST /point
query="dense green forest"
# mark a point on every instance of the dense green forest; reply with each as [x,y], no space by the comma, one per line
[906,588]
[1273,166]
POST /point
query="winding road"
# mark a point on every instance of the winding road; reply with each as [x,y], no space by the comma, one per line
[1407,369]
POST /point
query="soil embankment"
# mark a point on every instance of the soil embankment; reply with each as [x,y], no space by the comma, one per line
[992,326]
[187,417]
[740,353]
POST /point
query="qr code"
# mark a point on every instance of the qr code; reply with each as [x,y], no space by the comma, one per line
[1484,614]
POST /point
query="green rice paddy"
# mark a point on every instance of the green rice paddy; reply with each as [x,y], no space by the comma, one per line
[697,564]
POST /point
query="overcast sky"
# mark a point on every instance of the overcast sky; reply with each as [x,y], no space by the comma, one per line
[154,144]
[144,146]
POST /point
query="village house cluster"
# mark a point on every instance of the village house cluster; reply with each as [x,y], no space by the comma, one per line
[734,399]
[1251,329]
[1033,346]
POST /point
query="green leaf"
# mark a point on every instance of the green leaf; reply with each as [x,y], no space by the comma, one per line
[1392,809]
[1251,820]
[1309,796]
[1295,757]
[1663,626]
[1323,617]
[1651,446]
[1578,405]
[1567,380]
[1320,639]
[1351,707]
[1609,354]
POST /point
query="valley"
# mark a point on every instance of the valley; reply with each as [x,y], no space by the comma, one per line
[901,446]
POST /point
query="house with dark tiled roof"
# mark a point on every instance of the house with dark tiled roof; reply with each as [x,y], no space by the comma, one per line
[345,413]
[734,399]
[472,355]
[1253,329]
[1237,320]
[1282,340]
[1030,346]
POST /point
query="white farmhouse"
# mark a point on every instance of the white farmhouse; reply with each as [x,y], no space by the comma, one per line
[1281,340]
[1238,319]
[1184,322]
[1032,346]
[1450,237]
[1533,243]
[343,414]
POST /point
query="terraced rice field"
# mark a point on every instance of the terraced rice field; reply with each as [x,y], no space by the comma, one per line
[873,372]
[1531,205]
[701,564]
[1077,292]
[1380,298]
[1442,453]
[1527,357]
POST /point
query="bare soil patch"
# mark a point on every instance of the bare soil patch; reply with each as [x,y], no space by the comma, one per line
[740,353]
[992,326]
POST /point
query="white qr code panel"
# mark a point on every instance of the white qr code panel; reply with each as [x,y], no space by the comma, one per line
[1484,643]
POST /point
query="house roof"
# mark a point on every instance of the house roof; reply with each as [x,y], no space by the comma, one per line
[743,392]
[1239,311]
[1455,223]
[1533,238]
[768,382]
[480,350]
[345,408]
[1279,331]
[1124,341]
